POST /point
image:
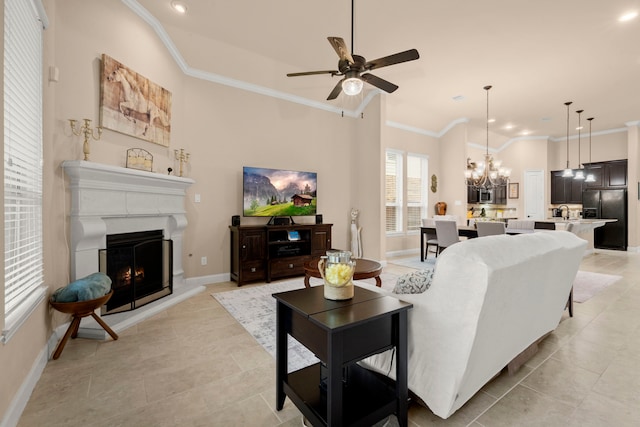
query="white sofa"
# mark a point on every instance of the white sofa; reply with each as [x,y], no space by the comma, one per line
[489,300]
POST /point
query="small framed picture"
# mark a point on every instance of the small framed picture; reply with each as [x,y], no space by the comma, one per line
[514,190]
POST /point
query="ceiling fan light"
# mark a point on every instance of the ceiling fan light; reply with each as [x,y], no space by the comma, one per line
[179,7]
[352,86]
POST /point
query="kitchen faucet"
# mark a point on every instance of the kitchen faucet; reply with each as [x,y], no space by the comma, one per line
[564,206]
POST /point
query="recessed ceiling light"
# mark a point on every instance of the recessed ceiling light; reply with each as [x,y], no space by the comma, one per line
[179,7]
[491,120]
[525,132]
[628,16]
[509,126]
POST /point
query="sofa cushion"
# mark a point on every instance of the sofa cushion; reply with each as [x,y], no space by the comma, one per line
[415,282]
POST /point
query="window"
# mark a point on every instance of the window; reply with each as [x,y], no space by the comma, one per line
[393,191]
[23,266]
[416,191]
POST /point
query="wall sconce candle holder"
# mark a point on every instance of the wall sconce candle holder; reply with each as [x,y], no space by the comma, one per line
[88,131]
[182,158]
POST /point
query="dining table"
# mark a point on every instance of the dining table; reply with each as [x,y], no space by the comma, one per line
[467,231]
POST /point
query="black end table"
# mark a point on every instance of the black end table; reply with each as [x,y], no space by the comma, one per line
[337,391]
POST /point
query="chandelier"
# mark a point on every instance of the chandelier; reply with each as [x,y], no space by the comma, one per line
[487,174]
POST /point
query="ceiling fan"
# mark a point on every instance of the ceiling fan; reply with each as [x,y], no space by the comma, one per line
[355,68]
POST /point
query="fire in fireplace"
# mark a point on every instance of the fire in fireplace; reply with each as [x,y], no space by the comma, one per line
[139,265]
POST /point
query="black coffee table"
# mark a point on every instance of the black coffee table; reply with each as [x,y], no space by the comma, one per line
[338,391]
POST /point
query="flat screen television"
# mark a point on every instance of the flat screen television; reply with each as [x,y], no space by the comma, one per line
[278,192]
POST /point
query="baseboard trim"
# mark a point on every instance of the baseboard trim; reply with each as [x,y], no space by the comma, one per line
[207,280]
[20,400]
[404,252]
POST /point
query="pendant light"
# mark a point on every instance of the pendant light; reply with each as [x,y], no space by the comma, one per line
[488,174]
[568,173]
[590,176]
[579,172]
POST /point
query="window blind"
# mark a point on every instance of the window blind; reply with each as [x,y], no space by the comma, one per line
[416,191]
[393,191]
[23,264]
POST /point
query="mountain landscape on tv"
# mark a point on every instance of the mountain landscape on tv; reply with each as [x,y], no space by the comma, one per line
[275,192]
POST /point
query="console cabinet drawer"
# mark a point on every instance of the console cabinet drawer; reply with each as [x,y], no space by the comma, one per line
[287,266]
[252,271]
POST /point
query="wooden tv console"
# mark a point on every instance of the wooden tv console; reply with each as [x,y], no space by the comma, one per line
[268,252]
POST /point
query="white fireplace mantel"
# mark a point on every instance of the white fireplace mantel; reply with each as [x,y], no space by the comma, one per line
[110,200]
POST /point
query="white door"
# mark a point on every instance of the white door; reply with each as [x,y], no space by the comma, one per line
[533,193]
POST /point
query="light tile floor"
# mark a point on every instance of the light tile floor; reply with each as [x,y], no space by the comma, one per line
[194,365]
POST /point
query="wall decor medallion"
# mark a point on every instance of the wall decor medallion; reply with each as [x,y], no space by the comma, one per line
[133,105]
[139,158]
[434,183]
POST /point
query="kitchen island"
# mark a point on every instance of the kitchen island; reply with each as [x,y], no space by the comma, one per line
[583,228]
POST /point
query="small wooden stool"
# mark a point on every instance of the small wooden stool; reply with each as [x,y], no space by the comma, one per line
[78,310]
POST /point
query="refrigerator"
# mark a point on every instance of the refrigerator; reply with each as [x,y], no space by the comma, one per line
[607,204]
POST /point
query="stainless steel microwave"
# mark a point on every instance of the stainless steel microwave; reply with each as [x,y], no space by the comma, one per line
[485,196]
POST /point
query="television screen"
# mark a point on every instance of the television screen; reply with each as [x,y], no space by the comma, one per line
[277,192]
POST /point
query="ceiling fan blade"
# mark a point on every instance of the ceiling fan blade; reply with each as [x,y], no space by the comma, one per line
[336,91]
[407,55]
[341,48]
[379,83]
[311,73]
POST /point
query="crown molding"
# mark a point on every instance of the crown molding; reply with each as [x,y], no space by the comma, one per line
[147,17]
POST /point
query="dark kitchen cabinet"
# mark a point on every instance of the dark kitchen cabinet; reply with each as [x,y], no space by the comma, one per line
[608,175]
[565,190]
[472,195]
[500,195]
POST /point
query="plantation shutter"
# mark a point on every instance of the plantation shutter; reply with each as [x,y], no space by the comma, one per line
[23,264]
[416,191]
[393,191]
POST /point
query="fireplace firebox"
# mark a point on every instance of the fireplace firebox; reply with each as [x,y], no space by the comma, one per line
[139,265]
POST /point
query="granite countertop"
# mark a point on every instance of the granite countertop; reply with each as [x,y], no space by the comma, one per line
[577,220]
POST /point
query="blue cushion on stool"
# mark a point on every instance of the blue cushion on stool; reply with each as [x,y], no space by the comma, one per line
[91,287]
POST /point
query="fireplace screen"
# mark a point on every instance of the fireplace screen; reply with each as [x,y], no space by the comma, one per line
[140,267]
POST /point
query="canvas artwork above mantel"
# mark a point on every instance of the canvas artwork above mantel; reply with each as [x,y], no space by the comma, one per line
[132,104]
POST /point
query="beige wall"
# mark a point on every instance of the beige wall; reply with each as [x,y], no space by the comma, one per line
[453,154]
[607,146]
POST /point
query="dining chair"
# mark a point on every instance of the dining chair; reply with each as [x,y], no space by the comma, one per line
[490,228]
[520,225]
[540,225]
[447,234]
[430,236]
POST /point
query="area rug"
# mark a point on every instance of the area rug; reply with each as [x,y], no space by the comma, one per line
[587,284]
[255,309]
[414,262]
